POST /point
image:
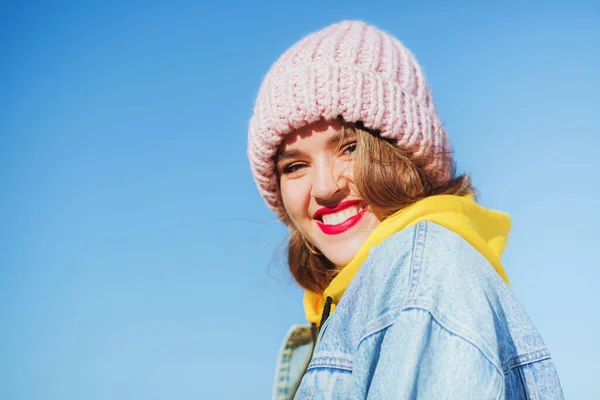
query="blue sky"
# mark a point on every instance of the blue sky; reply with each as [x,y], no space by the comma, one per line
[137,260]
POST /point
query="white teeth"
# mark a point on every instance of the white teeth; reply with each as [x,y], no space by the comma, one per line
[341,216]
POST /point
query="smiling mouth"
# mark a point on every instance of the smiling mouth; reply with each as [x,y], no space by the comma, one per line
[340,218]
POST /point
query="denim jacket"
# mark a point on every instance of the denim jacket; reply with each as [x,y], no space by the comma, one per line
[425,317]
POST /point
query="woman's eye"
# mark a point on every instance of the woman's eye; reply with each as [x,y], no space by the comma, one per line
[349,149]
[290,169]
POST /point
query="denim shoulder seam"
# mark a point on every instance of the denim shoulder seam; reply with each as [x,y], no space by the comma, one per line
[391,317]
[455,332]
[416,262]
[394,315]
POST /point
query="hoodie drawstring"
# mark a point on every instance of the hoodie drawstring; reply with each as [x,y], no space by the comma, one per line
[326,310]
[314,330]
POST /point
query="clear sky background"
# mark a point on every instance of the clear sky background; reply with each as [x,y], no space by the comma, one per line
[137,260]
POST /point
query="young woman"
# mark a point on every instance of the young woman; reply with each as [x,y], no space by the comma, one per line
[405,290]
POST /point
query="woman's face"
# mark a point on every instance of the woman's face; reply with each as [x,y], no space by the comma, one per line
[316,173]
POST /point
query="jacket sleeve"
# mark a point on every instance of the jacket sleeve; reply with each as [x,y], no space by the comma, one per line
[415,357]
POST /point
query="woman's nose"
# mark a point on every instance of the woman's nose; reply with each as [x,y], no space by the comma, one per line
[328,185]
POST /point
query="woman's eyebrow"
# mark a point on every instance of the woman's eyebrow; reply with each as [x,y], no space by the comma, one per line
[282,155]
[335,140]
[332,142]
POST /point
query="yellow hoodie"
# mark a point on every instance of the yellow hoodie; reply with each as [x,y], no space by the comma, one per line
[486,230]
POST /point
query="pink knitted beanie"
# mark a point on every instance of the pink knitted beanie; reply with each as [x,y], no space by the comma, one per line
[355,71]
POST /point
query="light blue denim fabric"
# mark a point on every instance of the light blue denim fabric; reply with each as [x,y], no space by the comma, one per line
[426,317]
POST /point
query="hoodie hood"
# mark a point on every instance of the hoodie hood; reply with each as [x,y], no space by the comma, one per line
[486,230]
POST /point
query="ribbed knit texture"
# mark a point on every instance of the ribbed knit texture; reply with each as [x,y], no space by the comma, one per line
[353,70]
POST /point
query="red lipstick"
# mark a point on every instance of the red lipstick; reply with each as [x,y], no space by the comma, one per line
[341,227]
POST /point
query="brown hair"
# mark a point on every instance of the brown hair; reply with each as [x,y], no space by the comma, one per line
[388,179]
